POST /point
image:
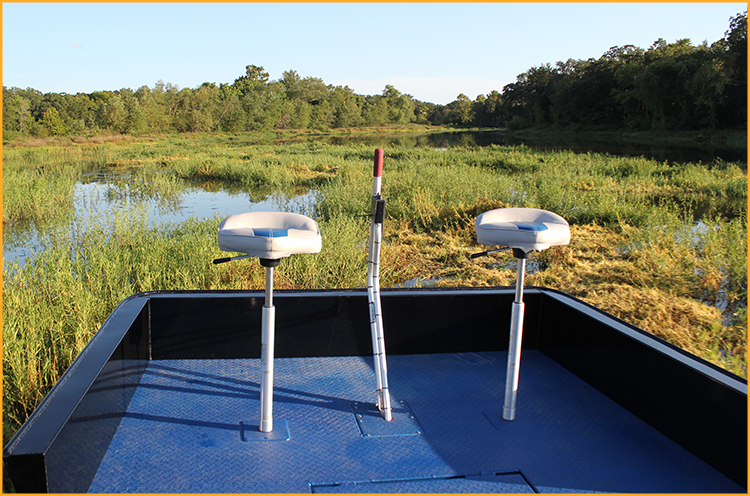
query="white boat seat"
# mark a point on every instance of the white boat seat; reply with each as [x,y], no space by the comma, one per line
[526,229]
[269,235]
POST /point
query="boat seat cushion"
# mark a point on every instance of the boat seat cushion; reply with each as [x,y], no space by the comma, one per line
[270,235]
[529,229]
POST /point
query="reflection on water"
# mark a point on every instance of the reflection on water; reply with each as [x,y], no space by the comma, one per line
[190,202]
[94,201]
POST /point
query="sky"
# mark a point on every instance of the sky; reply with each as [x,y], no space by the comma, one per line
[431,51]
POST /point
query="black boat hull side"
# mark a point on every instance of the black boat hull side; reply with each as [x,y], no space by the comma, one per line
[671,390]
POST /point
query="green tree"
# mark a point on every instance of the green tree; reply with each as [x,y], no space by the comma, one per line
[254,78]
[422,112]
[437,114]
[630,63]
[16,113]
[232,116]
[112,114]
[80,112]
[583,92]
[310,89]
[662,86]
[375,111]
[290,79]
[321,115]
[201,108]
[461,111]
[707,88]
[300,115]
[347,112]
[53,122]
[159,106]
[734,107]
[400,106]
[264,106]
[530,97]
[489,111]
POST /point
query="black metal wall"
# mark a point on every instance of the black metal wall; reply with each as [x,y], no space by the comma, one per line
[336,323]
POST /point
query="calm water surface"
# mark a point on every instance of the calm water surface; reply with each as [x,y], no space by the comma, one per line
[94,200]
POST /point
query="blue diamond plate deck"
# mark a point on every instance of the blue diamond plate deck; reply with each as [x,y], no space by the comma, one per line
[182,433]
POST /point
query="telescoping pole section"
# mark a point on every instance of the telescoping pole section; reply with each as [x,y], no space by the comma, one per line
[514,348]
[377,214]
[268,324]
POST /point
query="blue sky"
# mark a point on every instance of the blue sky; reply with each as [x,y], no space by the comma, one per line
[432,51]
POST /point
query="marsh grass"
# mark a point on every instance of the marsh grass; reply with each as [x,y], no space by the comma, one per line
[36,192]
[636,251]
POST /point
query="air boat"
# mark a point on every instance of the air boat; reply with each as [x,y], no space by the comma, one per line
[394,390]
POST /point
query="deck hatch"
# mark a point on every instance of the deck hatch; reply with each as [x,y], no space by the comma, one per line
[509,482]
[371,424]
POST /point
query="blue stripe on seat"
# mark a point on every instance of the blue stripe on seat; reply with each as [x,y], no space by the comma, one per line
[269,232]
[523,226]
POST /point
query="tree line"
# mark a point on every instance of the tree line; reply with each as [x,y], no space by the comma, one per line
[669,86]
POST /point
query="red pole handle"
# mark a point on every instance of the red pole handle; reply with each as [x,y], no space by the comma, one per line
[378,170]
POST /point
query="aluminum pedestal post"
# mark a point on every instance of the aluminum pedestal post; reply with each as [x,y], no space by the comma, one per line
[266,350]
[514,348]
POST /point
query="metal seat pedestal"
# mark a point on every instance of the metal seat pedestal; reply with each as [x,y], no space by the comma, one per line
[516,337]
[267,338]
[269,236]
[523,230]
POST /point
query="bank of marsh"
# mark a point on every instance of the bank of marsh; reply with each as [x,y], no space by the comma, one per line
[663,246]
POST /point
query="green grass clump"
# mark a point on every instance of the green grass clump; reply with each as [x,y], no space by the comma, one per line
[37,185]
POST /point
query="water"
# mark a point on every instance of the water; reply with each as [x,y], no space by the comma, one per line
[93,201]
[192,202]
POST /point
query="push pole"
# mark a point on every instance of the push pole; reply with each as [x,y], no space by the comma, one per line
[377,214]
[268,325]
[516,336]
